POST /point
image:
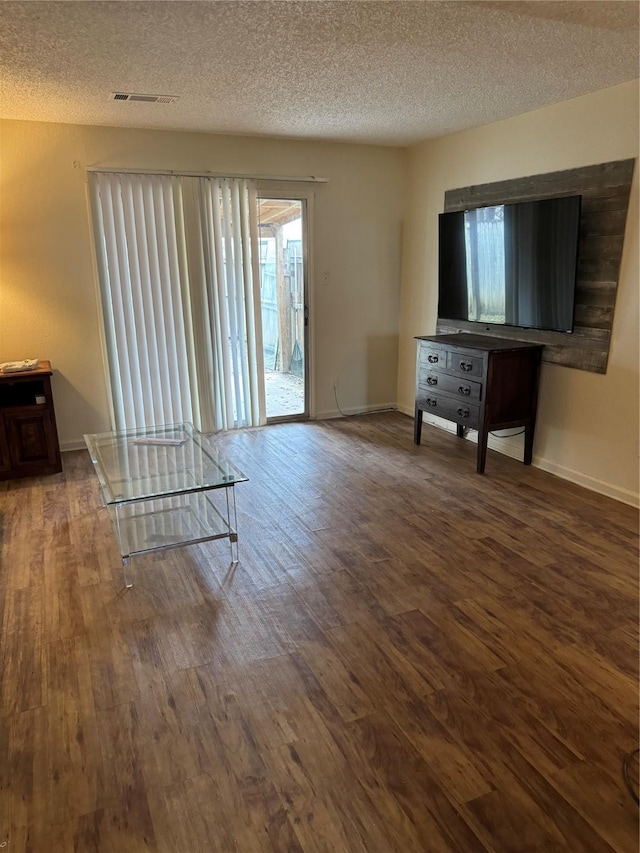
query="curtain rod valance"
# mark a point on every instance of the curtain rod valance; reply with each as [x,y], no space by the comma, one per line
[309,179]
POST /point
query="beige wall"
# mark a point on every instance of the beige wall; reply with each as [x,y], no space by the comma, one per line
[47,289]
[587,423]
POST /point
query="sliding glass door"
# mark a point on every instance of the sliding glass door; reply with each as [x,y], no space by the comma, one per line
[205,299]
[282,233]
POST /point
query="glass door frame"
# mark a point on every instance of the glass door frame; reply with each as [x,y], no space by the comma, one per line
[299,192]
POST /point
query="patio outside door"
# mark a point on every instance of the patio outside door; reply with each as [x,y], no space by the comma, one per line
[283,289]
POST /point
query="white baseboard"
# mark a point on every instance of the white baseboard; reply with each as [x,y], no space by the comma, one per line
[625,496]
[513,447]
[355,410]
[73,444]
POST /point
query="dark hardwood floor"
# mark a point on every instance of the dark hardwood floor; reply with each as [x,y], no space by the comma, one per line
[409,657]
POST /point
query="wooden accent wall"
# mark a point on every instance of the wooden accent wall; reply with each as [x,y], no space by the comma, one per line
[605,192]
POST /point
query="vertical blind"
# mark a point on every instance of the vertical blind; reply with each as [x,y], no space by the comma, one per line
[177,262]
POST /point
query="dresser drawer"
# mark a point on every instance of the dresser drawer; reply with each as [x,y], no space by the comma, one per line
[467,389]
[440,404]
[432,356]
[464,364]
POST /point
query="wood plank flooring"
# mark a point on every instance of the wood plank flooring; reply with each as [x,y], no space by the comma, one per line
[409,657]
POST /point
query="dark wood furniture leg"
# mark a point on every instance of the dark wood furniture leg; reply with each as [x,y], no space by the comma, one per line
[459,430]
[528,442]
[529,431]
[417,426]
[483,437]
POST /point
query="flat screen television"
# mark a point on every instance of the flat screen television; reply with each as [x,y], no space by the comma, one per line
[512,264]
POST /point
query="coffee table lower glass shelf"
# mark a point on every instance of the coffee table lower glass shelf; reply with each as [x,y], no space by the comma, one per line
[165,487]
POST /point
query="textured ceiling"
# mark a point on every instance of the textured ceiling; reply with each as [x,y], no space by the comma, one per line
[379,72]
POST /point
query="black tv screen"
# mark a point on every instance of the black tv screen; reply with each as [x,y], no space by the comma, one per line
[513,264]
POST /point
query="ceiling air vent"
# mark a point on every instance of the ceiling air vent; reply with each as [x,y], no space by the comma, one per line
[145,99]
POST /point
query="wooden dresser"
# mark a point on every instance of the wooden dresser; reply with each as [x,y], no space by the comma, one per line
[28,435]
[478,382]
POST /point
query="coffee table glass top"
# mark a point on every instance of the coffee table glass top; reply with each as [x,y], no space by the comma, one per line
[155,462]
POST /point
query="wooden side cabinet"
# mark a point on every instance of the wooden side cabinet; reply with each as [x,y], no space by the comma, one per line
[28,435]
[480,383]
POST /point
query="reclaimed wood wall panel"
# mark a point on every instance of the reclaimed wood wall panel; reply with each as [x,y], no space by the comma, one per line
[605,190]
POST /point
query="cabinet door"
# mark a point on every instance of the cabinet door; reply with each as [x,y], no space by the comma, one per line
[5,457]
[31,440]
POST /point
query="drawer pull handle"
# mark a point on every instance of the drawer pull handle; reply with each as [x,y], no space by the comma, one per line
[432,380]
[431,402]
[464,413]
[466,365]
[432,359]
[464,390]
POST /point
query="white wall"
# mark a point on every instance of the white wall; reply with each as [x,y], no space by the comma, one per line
[587,423]
[47,291]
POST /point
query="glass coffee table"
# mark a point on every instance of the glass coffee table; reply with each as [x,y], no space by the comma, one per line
[164,487]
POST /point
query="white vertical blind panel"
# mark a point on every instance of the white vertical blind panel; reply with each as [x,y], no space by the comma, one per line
[211,252]
[230,289]
[154,316]
[147,341]
[179,257]
[177,367]
[235,323]
[115,286]
[204,416]
[224,413]
[128,342]
[142,332]
[113,369]
[254,309]
[244,402]
[177,262]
